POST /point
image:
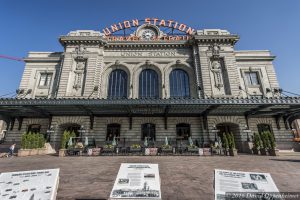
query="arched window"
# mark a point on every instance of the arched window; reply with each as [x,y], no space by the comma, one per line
[148,84]
[264,127]
[113,130]
[148,130]
[183,131]
[117,86]
[179,83]
[34,128]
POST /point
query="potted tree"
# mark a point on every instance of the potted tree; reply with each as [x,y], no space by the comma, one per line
[231,144]
[256,144]
[272,144]
[166,148]
[192,148]
[265,143]
[226,144]
[31,143]
[24,151]
[63,146]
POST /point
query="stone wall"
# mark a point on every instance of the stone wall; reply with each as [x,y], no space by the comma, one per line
[283,137]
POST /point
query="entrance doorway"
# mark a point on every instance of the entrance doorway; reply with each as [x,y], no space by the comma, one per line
[231,128]
[113,130]
[148,130]
[71,128]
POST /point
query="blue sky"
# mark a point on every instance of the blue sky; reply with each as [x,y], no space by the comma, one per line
[35,25]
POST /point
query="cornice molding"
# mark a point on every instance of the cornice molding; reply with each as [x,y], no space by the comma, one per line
[65,40]
[232,39]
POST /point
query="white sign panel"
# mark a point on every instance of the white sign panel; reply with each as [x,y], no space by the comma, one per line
[242,184]
[137,181]
[29,185]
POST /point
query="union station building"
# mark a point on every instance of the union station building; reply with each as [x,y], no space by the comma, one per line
[151,83]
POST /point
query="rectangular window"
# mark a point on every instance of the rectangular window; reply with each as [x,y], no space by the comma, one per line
[45,79]
[251,78]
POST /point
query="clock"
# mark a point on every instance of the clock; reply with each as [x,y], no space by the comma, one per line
[148,34]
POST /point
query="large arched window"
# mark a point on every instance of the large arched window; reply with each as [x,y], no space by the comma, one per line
[117,86]
[148,84]
[179,83]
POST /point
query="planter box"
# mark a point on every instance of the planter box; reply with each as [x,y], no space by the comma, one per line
[24,152]
[42,151]
[207,152]
[135,150]
[169,150]
[151,151]
[193,149]
[33,152]
[232,152]
[108,149]
[96,151]
[263,152]
[273,152]
[62,153]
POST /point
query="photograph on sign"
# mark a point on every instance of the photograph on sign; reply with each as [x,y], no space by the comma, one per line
[137,181]
[29,185]
[238,183]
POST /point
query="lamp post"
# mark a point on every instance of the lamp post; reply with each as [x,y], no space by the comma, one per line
[81,131]
[49,132]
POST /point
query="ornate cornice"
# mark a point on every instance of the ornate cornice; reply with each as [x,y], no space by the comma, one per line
[231,39]
[43,59]
[64,40]
[179,101]
[254,58]
[151,44]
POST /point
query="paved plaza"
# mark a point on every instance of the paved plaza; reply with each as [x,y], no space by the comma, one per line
[182,178]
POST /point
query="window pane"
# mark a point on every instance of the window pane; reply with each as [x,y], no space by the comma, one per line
[179,83]
[247,77]
[254,78]
[117,86]
[251,78]
[43,79]
[48,81]
[148,84]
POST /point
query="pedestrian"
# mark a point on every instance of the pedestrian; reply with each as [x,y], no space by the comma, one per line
[11,149]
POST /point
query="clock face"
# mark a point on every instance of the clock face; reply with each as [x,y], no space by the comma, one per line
[148,34]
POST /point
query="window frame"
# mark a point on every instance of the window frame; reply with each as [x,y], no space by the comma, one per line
[185,127]
[149,88]
[48,85]
[183,87]
[113,126]
[248,77]
[116,79]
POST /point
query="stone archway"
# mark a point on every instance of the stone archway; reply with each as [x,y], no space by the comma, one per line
[227,127]
[70,127]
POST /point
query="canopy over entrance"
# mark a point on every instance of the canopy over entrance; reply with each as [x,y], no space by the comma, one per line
[287,108]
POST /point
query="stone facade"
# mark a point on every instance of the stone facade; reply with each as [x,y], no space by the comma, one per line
[215,70]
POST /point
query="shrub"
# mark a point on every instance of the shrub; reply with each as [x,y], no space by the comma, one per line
[64,139]
[135,146]
[32,141]
[265,140]
[271,138]
[225,141]
[232,142]
[257,141]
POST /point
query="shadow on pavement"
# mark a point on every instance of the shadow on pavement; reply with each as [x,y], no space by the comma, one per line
[284,160]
